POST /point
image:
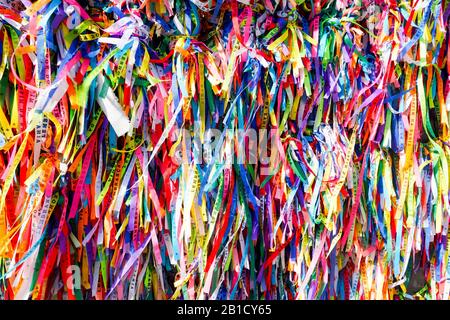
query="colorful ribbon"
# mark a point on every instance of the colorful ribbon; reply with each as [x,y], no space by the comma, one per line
[224,149]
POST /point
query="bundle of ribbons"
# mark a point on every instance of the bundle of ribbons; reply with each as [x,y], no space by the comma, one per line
[216,149]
